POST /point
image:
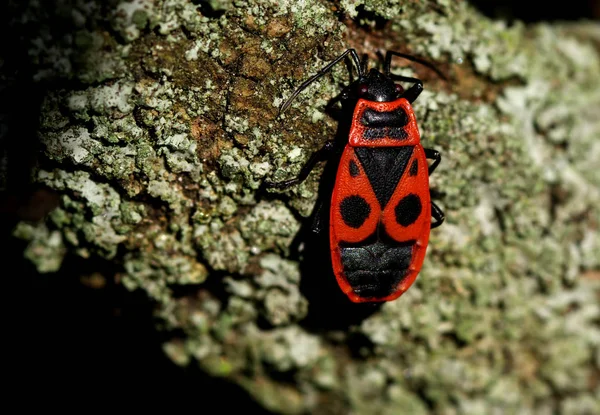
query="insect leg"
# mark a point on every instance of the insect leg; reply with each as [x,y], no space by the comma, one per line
[331,109]
[320,155]
[437,214]
[317,223]
[435,156]
[414,91]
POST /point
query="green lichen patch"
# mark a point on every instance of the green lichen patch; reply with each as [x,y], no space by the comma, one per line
[290,348]
[130,18]
[156,271]
[46,248]
[282,302]
[274,223]
[223,247]
[98,200]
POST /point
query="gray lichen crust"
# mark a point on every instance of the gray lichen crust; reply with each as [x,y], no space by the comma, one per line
[165,126]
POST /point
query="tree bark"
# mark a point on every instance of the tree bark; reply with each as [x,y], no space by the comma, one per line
[159,123]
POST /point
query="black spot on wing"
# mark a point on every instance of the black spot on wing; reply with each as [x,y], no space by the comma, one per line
[414,168]
[354,210]
[384,168]
[408,210]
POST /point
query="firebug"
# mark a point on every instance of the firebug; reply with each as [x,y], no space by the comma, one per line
[381,211]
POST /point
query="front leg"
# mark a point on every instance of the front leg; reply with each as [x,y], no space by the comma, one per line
[414,91]
[319,155]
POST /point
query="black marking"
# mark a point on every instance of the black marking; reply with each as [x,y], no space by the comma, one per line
[354,171]
[408,209]
[398,133]
[374,133]
[382,119]
[384,124]
[375,267]
[384,168]
[355,210]
[414,168]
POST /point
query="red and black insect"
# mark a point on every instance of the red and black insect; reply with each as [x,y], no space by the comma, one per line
[381,209]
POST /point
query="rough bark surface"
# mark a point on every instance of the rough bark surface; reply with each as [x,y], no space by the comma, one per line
[160,123]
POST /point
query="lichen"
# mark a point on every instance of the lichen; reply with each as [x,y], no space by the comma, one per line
[46,250]
[165,124]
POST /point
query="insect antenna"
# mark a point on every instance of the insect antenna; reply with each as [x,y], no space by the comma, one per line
[322,72]
[388,62]
[365,63]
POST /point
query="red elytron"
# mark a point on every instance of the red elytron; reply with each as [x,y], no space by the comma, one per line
[381,210]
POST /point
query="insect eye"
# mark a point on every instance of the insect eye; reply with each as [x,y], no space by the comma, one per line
[399,88]
[363,89]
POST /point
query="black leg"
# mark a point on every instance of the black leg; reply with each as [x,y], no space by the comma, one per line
[331,109]
[317,223]
[435,156]
[317,156]
[437,214]
[414,91]
[436,194]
